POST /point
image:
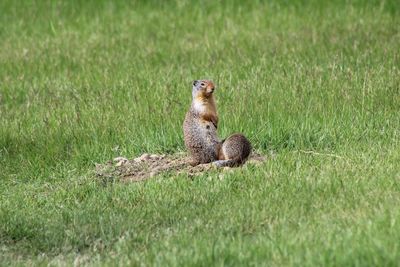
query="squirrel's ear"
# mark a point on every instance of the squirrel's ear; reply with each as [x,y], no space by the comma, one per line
[195,82]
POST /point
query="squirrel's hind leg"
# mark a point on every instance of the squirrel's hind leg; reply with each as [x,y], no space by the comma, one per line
[224,163]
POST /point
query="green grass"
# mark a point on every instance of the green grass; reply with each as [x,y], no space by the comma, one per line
[315,84]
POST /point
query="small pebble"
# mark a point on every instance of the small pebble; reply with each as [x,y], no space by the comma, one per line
[118,159]
[144,157]
[120,163]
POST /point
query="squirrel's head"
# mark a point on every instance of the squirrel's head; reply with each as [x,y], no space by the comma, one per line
[203,88]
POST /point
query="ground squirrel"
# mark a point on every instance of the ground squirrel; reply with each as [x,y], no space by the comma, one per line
[200,131]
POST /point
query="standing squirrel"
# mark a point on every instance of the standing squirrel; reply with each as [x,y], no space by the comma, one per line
[200,132]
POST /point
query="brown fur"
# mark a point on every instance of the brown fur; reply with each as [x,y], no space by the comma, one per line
[234,150]
[210,113]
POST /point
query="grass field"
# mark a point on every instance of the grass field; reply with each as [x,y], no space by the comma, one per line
[314,84]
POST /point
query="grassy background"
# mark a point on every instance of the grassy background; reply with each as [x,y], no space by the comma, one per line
[84,81]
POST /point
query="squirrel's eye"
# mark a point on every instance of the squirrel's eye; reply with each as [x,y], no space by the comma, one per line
[202,84]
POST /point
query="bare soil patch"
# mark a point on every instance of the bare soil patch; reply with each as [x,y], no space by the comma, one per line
[150,165]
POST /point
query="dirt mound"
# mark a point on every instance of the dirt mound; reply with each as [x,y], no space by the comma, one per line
[149,165]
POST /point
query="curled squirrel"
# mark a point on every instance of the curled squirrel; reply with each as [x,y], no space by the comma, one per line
[200,132]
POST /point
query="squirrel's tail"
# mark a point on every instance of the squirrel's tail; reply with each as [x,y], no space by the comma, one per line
[234,151]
